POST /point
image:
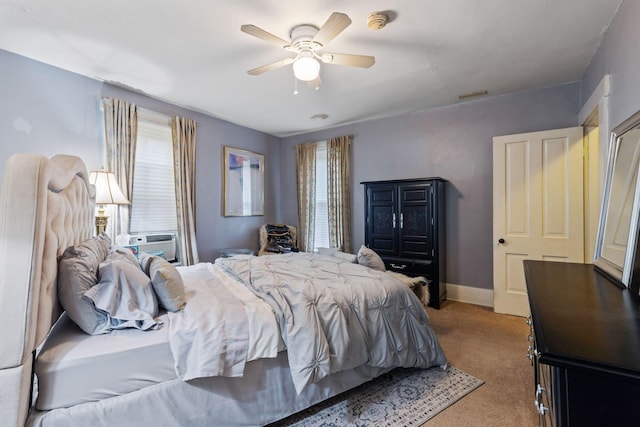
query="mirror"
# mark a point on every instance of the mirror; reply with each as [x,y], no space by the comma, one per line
[618,227]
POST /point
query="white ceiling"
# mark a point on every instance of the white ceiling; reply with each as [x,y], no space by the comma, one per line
[193,54]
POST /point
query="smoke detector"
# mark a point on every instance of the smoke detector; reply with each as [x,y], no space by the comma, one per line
[377,20]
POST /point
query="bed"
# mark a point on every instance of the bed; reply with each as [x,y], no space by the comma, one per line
[293,330]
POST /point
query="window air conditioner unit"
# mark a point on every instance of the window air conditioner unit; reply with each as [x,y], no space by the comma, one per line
[163,245]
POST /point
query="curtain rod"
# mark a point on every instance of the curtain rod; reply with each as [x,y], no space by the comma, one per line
[146,111]
[293,147]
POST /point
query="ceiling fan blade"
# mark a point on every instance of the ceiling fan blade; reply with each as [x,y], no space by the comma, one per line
[269,67]
[363,61]
[254,31]
[336,24]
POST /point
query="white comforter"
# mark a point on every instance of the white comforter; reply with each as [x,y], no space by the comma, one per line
[336,315]
[223,326]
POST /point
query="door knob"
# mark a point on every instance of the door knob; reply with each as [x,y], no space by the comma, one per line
[501,241]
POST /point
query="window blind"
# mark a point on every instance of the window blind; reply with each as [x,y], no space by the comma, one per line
[321,231]
[153,207]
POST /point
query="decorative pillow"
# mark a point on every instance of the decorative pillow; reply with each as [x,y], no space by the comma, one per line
[77,273]
[279,239]
[125,293]
[166,280]
[369,258]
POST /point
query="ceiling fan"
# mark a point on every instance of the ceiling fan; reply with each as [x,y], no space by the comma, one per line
[307,42]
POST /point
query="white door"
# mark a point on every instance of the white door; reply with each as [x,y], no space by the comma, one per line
[537,208]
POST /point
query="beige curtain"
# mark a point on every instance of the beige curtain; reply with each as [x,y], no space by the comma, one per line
[306,180]
[338,197]
[121,133]
[184,158]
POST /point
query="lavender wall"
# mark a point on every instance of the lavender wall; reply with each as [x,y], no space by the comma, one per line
[454,143]
[48,111]
[619,56]
[214,231]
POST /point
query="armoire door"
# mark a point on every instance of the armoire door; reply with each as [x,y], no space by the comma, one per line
[382,220]
[415,227]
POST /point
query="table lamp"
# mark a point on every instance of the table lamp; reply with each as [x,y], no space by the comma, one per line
[107,193]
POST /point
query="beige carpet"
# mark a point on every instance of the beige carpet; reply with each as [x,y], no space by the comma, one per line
[492,347]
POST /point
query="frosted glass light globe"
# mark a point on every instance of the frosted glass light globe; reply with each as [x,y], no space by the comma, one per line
[306,68]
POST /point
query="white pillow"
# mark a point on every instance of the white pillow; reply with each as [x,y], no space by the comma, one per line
[369,258]
[337,253]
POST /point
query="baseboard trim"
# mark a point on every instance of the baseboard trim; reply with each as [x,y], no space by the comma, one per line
[470,295]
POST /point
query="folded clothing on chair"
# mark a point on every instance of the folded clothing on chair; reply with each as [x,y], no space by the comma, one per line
[279,239]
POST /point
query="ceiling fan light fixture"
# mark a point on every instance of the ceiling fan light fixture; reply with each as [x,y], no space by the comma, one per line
[306,68]
[308,42]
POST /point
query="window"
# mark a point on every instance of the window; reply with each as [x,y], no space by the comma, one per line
[328,195]
[321,232]
[153,206]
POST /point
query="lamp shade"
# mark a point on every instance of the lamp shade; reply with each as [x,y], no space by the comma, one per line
[107,189]
[306,67]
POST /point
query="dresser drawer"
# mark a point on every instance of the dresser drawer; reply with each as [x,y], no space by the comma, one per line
[398,265]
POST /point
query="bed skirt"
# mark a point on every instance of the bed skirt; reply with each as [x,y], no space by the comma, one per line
[263,395]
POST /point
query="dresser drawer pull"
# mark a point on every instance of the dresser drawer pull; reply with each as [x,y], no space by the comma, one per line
[541,408]
[398,266]
[539,391]
[538,401]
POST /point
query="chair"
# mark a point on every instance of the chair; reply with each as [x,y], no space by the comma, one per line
[277,239]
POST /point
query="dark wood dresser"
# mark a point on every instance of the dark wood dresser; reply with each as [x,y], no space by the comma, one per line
[584,346]
[404,224]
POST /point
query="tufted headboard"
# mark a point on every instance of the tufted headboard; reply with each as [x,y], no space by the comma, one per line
[46,205]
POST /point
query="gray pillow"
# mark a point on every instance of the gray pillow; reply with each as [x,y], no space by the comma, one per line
[77,273]
[121,253]
[125,293]
[166,281]
[369,258]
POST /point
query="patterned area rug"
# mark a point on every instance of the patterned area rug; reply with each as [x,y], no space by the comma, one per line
[403,397]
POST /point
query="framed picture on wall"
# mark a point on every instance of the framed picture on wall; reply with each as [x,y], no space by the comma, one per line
[243,182]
